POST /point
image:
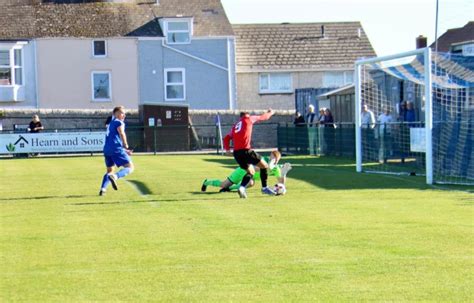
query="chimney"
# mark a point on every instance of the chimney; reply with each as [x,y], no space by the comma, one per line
[323,33]
[421,42]
[359,32]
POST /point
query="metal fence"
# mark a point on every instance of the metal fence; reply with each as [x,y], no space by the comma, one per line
[338,141]
[180,138]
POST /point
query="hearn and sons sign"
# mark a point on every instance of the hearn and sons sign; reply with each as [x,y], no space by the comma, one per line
[52,142]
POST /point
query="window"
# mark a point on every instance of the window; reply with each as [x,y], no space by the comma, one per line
[275,83]
[178,32]
[338,79]
[18,66]
[11,67]
[175,86]
[99,48]
[101,86]
[5,68]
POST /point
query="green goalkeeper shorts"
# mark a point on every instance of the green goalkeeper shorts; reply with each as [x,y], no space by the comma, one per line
[237,175]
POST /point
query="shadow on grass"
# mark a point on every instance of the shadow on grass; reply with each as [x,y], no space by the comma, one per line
[178,200]
[206,192]
[338,174]
[141,187]
[31,198]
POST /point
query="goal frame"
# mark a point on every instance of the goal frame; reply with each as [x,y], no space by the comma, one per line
[426,52]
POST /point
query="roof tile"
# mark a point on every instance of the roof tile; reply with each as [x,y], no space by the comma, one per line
[455,35]
[261,46]
[108,19]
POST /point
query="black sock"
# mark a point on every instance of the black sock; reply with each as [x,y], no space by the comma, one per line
[263,176]
[246,180]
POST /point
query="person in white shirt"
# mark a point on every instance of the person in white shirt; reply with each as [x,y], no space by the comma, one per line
[367,117]
[311,122]
[385,121]
[367,120]
[321,122]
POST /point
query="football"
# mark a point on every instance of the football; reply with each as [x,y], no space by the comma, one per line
[280,189]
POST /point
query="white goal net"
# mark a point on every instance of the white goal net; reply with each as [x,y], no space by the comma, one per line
[415,115]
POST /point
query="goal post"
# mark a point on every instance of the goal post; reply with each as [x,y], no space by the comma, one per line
[428,116]
[414,114]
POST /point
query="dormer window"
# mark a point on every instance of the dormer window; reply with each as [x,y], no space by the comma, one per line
[178,31]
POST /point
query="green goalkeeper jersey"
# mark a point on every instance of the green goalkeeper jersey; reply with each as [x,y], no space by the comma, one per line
[239,173]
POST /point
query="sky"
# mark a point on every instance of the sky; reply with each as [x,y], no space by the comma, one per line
[391,25]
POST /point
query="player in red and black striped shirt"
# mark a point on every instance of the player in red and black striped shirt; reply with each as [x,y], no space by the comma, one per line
[241,135]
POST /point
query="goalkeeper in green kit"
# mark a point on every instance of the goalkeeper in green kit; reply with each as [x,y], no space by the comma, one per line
[233,181]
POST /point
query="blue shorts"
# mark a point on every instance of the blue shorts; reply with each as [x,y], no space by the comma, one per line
[119,159]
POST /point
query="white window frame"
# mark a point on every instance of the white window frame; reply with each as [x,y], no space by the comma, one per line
[189,21]
[346,74]
[93,49]
[110,86]
[12,66]
[166,84]
[269,90]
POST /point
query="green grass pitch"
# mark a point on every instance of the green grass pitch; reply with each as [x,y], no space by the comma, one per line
[335,236]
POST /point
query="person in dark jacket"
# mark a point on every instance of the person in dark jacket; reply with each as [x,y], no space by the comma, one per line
[329,132]
[328,118]
[299,133]
[299,119]
[35,125]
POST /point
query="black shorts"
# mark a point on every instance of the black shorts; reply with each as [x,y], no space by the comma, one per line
[245,157]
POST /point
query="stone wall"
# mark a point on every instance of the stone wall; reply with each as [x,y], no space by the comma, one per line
[202,121]
[60,119]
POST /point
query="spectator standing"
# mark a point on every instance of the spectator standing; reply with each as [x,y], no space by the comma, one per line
[328,118]
[311,121]
[367,120]
[299,134]
[35,125]
[299,119]
[321,121]
[329,134]
[322,117]
[367,117]
[385,121]
[410,115]
[402,108]
[408,118]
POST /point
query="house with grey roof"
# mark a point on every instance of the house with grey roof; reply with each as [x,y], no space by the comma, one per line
[275,59]
[78,54]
